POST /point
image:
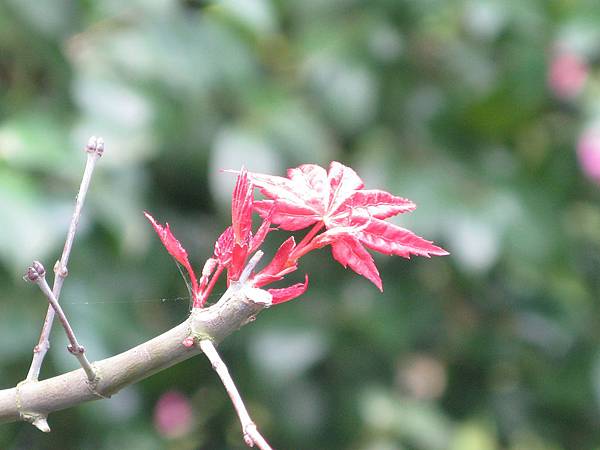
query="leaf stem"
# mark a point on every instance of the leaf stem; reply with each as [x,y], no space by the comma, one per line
[303,247]
[209,288]
[94,149]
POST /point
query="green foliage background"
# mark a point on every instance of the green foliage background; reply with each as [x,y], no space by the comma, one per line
[444,102]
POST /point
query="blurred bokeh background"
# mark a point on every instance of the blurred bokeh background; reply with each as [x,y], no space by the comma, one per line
[486,113]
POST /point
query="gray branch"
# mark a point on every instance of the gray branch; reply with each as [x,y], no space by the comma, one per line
[32,401]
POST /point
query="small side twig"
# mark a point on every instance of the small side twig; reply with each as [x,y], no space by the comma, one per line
[37,274]
[252,436]
[94,149]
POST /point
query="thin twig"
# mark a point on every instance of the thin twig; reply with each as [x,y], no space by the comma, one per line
[94,149]
[252,436]
[36,274]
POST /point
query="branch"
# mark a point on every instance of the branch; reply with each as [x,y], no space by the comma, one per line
[37,274]
[258,297]
[94,149]
[251,434]
[33,401]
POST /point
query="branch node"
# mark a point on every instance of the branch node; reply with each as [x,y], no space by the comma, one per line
[60,269]
[37,420]
[93,383]
[249,429]
[76,350]
[33,274]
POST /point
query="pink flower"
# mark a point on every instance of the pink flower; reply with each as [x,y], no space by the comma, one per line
[588,151]
[173,415]
[567,74]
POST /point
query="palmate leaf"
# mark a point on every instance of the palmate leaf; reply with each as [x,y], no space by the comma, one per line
[387,238]
[341,212]
[349,252]
[307,196]
[378,204]
[353,217]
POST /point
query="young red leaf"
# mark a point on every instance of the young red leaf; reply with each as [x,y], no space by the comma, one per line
[238,261]
[275,187]
[311,182]
[353,216]
[307,196]
[288,215]
[343,182]
[349,252]
[278,267]
[241,208]
[390,239]
[224,247]
[288,293]
[209,267]
[261,234]
[378,204]
[174,248]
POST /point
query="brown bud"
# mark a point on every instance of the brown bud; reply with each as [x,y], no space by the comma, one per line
[35,271]
[40,269]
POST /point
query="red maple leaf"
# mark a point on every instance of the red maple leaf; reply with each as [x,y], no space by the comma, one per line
[288,293]
[237,242]
[233,248]
[176,250]
[354,217]
[341,212]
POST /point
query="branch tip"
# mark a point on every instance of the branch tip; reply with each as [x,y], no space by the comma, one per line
[95,145]
[60,269]
[35,272]
[94,149]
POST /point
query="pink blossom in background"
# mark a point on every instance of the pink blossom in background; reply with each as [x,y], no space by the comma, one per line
[173,414]
[588,151]
[567,74]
